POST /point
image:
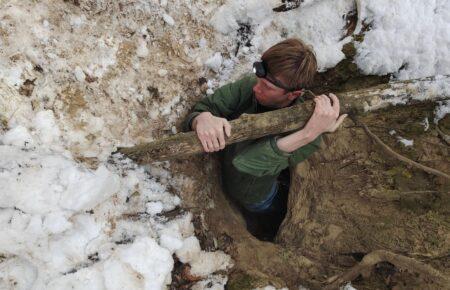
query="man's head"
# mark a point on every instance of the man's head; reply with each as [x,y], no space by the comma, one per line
[290,66]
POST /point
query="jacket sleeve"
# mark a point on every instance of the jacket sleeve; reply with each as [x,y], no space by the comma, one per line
[265,158]
[223,102]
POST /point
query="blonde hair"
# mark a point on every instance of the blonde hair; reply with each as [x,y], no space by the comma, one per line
[293,61]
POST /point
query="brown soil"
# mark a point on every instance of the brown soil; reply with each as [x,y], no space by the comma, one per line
[346,201]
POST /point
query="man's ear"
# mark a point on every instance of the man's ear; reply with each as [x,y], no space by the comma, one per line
[294,95]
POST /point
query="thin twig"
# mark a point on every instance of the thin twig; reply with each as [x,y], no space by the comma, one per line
[401,262]
[418,191]
[444,136]
[401,157]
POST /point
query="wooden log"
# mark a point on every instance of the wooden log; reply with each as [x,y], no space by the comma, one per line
[253,126]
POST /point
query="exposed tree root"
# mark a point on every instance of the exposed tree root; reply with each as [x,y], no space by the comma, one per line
[365,267]
[402,158]
[444,136]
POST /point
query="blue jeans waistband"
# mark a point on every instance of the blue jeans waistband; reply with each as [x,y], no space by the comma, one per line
[266,203]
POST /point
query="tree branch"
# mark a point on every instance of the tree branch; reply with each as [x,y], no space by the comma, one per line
[401,262]
[402,158]
[292,118]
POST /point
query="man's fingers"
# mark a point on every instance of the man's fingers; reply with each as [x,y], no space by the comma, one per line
[215,143]
[339,121]
[205,145]
[326,99]
[319,103]
[221,138]
[335,102]
[227,128]
[202,140]
[210,145]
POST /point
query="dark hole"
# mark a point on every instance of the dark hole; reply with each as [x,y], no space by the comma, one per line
[180,279]
[94,257]
[244,34]
[358,256]
[202,81]
[288,5]
[125,240]
[38,68]
[154,92]
[264,226]
[385,269]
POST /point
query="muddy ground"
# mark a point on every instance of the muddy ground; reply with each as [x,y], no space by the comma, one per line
[348,200]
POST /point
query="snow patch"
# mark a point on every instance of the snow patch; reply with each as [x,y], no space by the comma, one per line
[405,142]
[410,38]
[441,110]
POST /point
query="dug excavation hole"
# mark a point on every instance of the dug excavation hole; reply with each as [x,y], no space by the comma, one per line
[348,200]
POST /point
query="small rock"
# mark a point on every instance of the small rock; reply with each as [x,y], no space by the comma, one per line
[162,72]
[79,74]
[168,19]
[142,50]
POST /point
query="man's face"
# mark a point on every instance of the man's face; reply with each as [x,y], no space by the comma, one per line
[269,95]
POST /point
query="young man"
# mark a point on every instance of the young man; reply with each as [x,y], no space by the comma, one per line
[250,168]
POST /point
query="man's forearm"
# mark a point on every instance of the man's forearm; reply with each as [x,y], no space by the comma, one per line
[296,140]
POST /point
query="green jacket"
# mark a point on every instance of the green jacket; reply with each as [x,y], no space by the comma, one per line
[249,168]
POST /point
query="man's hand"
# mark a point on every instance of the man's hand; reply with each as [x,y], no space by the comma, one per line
[210,131]
[326,115]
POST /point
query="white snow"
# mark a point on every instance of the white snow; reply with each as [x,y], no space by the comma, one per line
[72,224]
[400,93]
[214,62]
[442,109]
[162,72]
[46,182]
[79,74]
[142,50]
[201,262]
[45,127]
[189,250]
[270,287]
[18,136]
[347,286]
[426,124]
[405,142]
[407,38]
[210,262]
[319,24]
[57,214]
[214,282]
[410,38]
[154,207]
[150,260]
[168,19]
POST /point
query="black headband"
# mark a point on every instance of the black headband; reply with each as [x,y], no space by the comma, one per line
[261,71]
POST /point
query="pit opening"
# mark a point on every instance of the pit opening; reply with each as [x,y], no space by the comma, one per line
[264,226]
